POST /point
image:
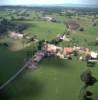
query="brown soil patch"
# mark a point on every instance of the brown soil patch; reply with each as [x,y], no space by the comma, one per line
[73,25]
[15,46]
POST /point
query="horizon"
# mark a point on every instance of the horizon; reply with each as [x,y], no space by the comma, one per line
[47,2]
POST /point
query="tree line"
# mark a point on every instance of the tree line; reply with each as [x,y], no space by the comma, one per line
[8,25]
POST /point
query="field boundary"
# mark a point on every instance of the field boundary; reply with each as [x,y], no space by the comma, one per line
[15,75]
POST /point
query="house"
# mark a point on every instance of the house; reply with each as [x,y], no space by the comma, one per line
[68,51]
[51,49]
[16,35]
[87,53]
[47,18]
[94,55]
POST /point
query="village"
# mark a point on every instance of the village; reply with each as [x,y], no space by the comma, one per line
[84,54]
[54,51]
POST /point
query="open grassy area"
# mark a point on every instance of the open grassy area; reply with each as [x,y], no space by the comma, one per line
[55,79]
[46,30]
[10,62]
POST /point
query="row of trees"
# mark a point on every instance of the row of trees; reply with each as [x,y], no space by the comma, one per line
[89,80]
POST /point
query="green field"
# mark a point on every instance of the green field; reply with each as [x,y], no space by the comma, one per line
[55,79]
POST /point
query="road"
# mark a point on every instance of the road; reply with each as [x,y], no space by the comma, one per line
[29,63]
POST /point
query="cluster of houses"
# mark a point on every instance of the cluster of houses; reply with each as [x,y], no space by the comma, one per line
[68,52]
[16,35]
[53,50]
[36,59]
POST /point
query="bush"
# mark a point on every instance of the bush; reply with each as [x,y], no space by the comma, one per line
[94,24]
[87,78]
[81,29]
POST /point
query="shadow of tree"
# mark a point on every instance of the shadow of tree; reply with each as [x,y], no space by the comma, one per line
[91,64]
[4,95]
[54,62]
[24,88]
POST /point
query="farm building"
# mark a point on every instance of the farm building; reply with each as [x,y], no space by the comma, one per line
[68,51]
[48,18]
[92,54]
[16,35]
[53,48]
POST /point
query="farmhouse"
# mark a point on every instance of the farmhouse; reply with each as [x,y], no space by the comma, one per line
[47,18]
[16,35]
[92,54]
[68,51]
[53,48]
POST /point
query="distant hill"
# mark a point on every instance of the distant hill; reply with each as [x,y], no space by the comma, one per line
[79,5]
[65,5]
[58,5]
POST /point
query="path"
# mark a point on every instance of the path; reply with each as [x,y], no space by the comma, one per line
[33,61]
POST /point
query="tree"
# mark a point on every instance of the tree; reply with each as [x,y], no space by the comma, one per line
[40,44]
[81,29]
[69,14]
[87,78]
[94,24]
[87,58]
[8,25]
[87,95]
[75,53]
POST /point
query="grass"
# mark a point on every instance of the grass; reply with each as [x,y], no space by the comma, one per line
[10,63]
[46,30]
[55,79]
